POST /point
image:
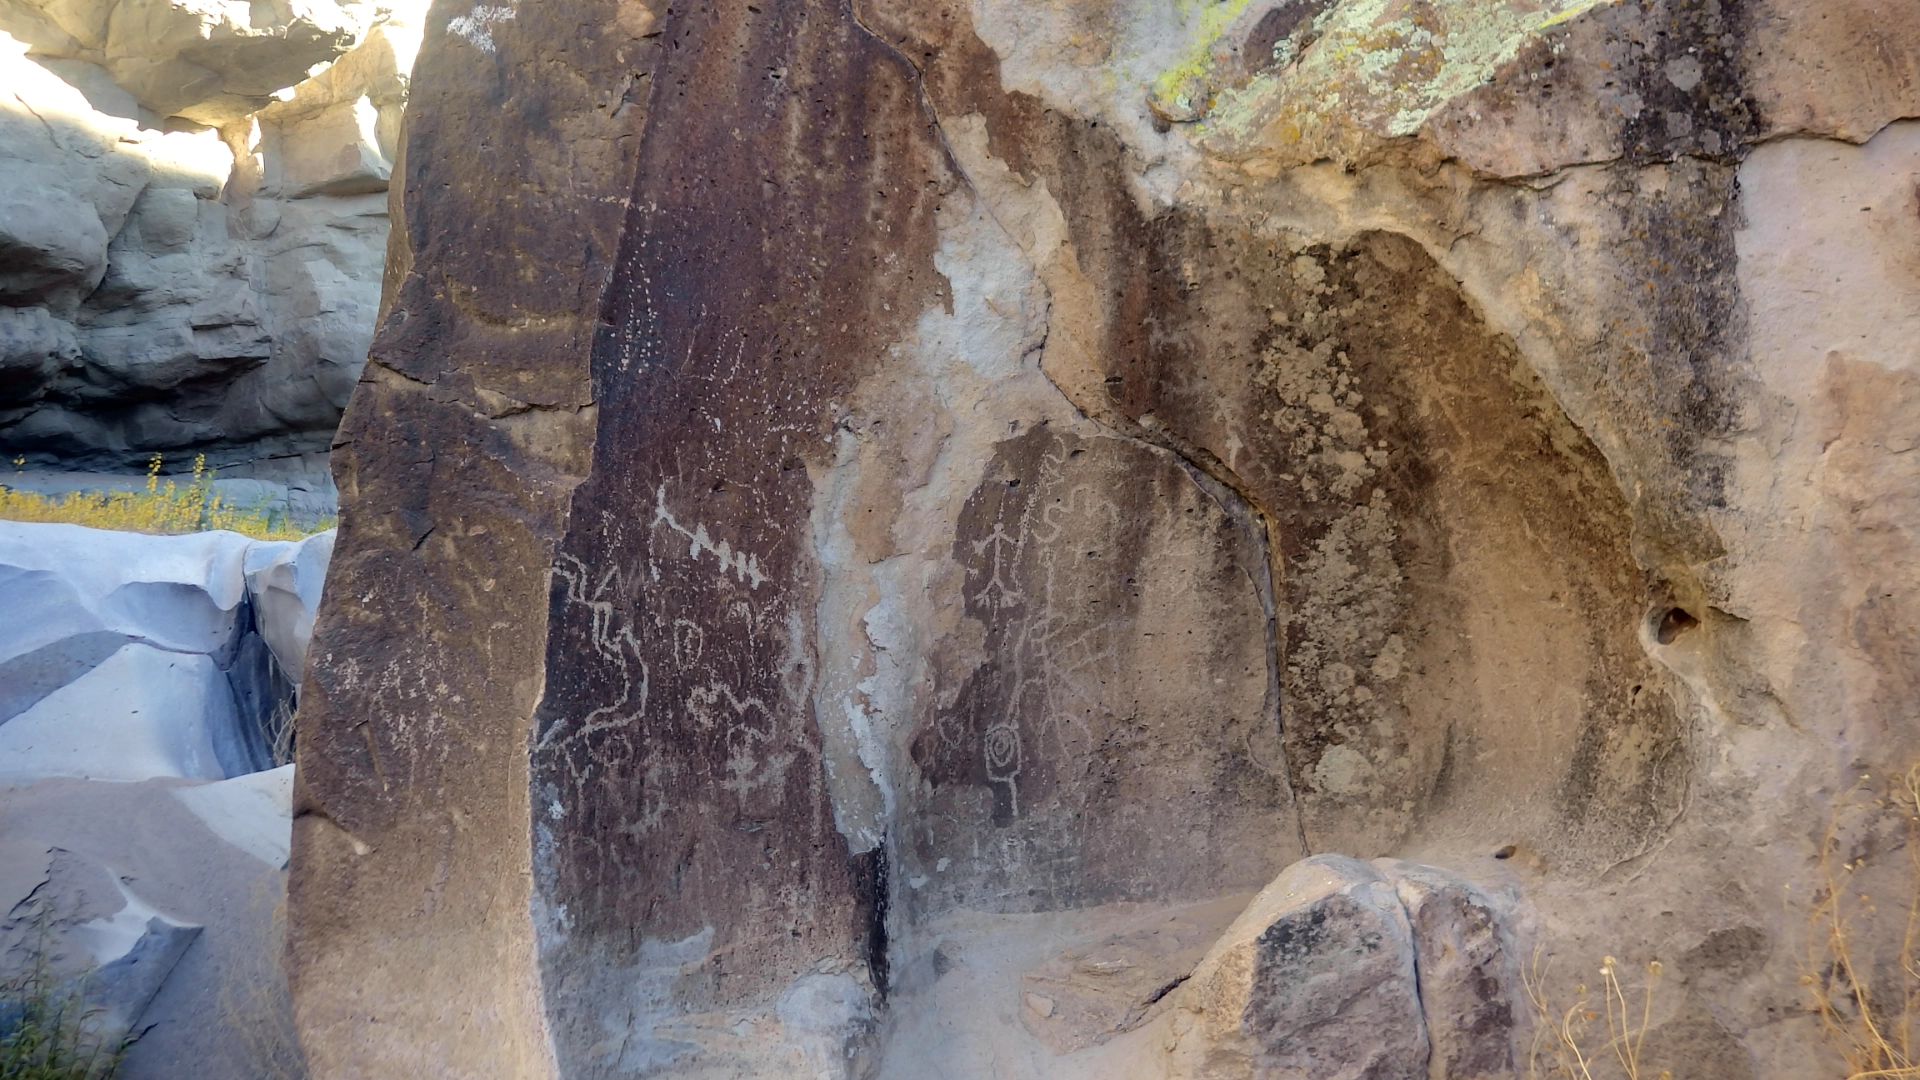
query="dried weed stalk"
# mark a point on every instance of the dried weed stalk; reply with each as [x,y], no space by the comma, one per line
[1872,1026]
[255,1007]
[1563,1038]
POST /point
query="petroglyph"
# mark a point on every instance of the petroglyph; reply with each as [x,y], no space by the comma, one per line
[1057,663]
[613,639]
[476,26]
[1069,701]
[743,565]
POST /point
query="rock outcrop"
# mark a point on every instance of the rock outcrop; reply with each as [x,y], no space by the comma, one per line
[192,218]
[855,510]
[132,656]
[146,685]
[158,901]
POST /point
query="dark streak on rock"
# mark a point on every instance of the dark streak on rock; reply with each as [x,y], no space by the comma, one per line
[780,237]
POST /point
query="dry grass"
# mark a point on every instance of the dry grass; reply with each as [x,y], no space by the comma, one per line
[254,1006]
[48,1030]
[164,508]
[280,734]
[1867,1008]
[45,1033]
[1567,1041]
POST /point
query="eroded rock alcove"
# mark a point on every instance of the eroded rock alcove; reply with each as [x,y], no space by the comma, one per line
[876,538]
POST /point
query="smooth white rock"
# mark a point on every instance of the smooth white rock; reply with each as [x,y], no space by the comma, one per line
[178,592]
[179,597]
[142,713]
[284,581]
[253,813]
[112,937]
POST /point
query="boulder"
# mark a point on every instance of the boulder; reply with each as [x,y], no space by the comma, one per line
[1344,969]
[1316,978]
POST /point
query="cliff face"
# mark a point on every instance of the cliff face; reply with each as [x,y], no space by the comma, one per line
[849,506]
[192,211]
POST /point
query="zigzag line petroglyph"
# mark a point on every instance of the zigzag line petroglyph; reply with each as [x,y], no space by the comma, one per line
[744,566]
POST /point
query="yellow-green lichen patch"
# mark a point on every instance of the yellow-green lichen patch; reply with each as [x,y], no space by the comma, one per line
[1378,69]
[1183,89]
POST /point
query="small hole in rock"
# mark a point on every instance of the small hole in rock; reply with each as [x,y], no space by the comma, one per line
[1506,852]
[1674,623]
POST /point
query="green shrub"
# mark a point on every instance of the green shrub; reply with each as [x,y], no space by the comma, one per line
[46,1032]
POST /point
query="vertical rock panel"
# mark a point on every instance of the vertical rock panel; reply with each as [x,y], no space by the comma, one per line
[411,951]
[780,238]
[1119,738]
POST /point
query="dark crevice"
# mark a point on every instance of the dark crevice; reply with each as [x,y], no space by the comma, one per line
[378,368]
[870,891]
[1167,989]
[1258,529]
[1675,622]
[1413,954]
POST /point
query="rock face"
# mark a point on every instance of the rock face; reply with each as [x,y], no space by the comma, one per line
[854,511]
[157,899]
[209,288]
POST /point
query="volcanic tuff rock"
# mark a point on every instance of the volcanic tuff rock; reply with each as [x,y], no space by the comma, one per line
[143,827]
[210,287]
[851,505]
[129,656]
[168,890]
[1340,969]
